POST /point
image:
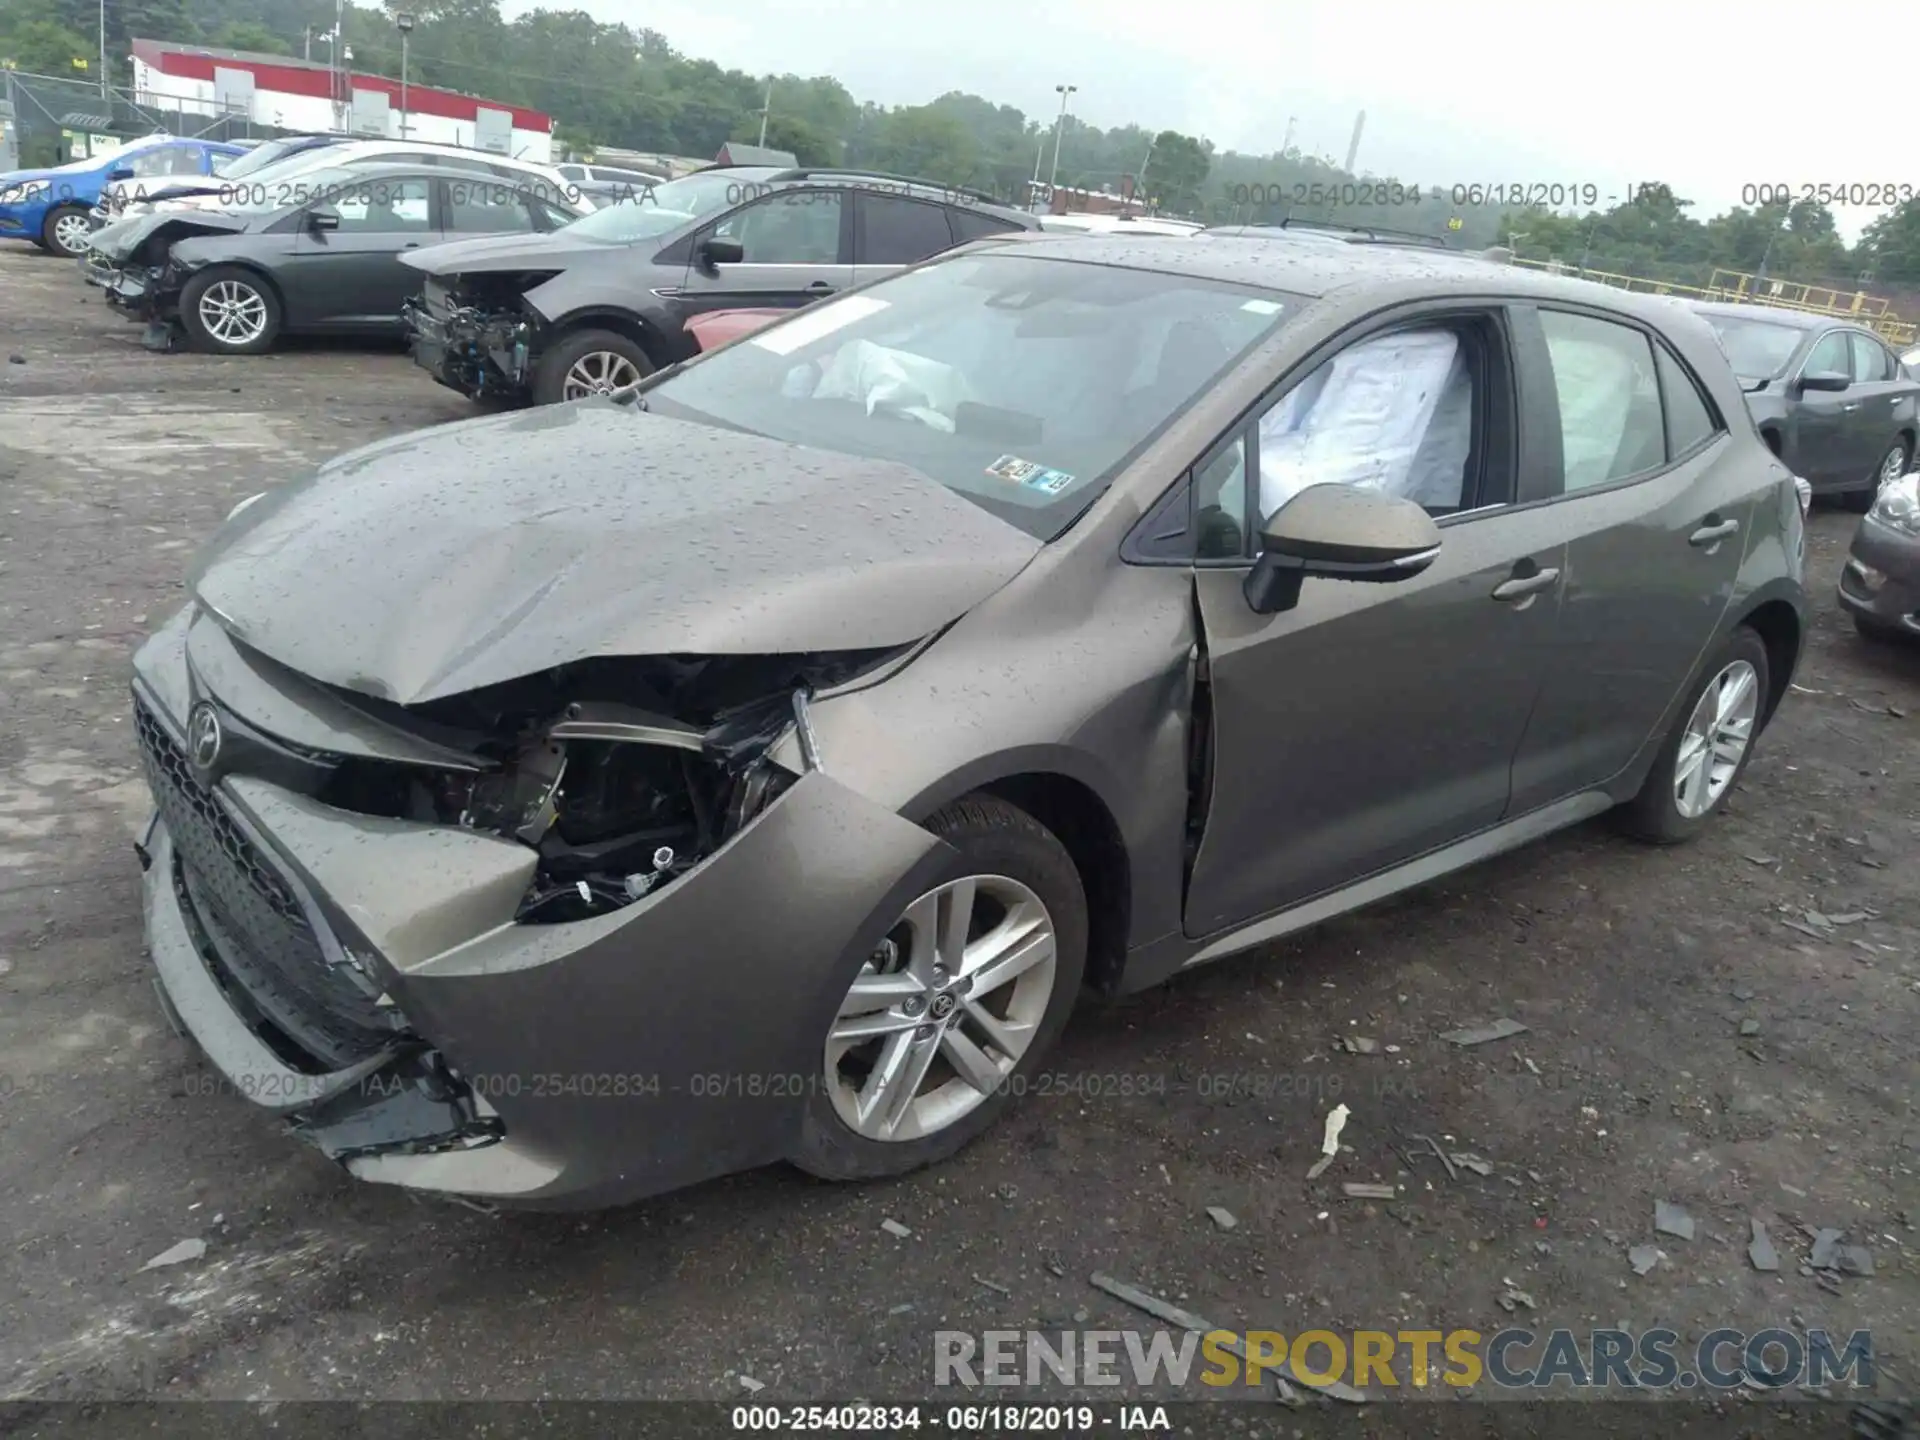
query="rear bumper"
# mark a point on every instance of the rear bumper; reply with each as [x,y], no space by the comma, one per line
[570,1065]
[1881,580]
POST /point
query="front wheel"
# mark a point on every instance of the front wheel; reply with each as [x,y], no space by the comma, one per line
[590,362]
[1892,466]
[65,231]
[1708,748]
[948,1018]
[229,311]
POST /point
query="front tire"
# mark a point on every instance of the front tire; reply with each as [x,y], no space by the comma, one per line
[960,1004]
[227,310]
[1708,748]
[587,363]
[64,231]
[1892,466]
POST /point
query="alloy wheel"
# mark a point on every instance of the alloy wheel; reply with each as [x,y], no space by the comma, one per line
[70,232]
[1893,467]
[941,1013]
[1716,739]
[233,313]
[598,372]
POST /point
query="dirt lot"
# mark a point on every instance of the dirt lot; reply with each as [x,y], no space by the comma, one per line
[1635,971]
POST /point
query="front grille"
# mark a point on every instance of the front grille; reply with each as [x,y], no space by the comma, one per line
[259,936]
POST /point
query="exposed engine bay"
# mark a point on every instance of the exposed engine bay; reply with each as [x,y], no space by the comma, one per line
[479,333]
[623,774]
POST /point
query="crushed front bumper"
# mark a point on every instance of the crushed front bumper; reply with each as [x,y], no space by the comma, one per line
[364,980]
[1881,580]
[477,354]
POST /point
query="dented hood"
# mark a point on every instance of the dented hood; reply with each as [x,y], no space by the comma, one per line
[454,558]
[121,238]
[553,250]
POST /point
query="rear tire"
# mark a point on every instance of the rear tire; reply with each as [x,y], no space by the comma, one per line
[1893,464]
[996,844]
[1656,815]
[588,362]
[229,310]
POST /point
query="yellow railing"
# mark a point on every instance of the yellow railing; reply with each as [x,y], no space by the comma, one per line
[1738,287]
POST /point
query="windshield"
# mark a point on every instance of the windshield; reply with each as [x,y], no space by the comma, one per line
[1757,349]
[272,152]
[642,211]
[1023,384]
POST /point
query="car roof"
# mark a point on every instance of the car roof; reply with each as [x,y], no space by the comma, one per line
[393,169]
[1774,314]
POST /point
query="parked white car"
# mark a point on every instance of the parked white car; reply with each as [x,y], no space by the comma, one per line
[1118,225]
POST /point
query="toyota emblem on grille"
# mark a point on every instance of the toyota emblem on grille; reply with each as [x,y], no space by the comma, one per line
[204,737]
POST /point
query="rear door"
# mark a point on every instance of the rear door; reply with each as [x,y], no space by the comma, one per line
[351,278]
[1883,398]
[1654,502]
[891,231]
[798,245]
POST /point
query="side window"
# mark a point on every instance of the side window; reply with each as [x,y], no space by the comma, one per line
[1870,359]
[1611,422]
[890,230]
[1220,504]
[166,160]
[972,224]
[1830,356]
[486,207]
[384,207]
[549,216]
[1690,421]
[1394,412]
[793,227]
[574,172]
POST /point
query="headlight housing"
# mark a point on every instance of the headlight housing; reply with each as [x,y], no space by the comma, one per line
[24,192]
[1898,505]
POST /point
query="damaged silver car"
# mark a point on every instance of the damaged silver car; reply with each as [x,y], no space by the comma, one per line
[563,806]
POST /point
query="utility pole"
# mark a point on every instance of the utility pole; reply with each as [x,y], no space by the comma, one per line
[306,43]
[1140,180]
[1287,144]
[765,111]
[403,22]
[1353,145]
[1059,125]
[1033,188]
[104,95]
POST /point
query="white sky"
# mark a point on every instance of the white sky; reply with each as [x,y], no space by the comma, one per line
[1462,92]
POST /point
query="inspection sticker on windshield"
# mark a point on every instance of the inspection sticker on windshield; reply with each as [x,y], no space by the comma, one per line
[817,323]
[1012,467]
[1051,481]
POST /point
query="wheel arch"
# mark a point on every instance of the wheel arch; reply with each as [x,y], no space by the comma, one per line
[251,267]
[1070,803]
[621,322]
[1782,629]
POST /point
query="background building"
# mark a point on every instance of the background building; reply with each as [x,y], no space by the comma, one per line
[309,95]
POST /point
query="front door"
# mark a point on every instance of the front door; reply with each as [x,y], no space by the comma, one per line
[351,277]
[1825,441]
[1881,401]
[797,245]
[1656,506]
[1372,723]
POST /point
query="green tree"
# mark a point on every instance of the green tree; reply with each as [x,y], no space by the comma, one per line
[45,47]
[248,35]
[1176,170]
[799,139]
[1892,244]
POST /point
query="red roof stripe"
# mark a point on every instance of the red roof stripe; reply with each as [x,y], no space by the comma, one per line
[186,64]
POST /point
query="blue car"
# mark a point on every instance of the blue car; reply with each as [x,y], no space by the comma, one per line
[50,207]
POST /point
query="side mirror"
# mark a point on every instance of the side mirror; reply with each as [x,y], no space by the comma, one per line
[714,252]
[1829,380]
[322,218]
[1338,532]
[119,172]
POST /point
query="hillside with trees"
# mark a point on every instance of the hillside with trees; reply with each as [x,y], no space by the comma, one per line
[619,86]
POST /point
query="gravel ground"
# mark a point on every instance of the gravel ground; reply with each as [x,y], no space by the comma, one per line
[1692,1037]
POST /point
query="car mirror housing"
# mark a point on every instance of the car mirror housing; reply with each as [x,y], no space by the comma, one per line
[714,251]
[1338,532]
[1827,380]
[321,218]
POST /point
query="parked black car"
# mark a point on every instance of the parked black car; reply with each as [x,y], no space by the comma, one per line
[318,254]
[1829,397]
[605,301]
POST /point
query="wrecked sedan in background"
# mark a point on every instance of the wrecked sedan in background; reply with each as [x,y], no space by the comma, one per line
[318,254]
[579,802]
[607,301]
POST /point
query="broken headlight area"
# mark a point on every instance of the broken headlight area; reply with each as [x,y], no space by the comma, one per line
[413,1106]
[622,774]
[477,335]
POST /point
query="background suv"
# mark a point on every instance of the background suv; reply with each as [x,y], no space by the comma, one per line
[605,301]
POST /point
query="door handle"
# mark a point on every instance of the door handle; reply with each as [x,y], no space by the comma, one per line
[819,287]
[1713,532]
[1849,409]
[1521,586]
